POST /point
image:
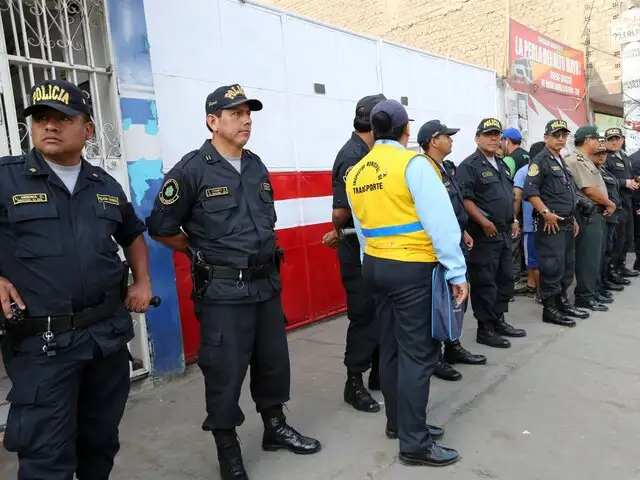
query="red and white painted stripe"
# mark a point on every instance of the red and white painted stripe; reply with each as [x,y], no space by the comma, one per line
[312,289]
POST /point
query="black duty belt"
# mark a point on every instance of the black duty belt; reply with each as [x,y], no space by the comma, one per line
[242,274]
[34,326]
[599,209]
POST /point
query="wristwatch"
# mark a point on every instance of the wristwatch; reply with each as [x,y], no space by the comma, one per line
[544,212]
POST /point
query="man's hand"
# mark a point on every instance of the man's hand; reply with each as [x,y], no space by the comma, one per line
[515,230]
[8,295]
[551,223]
[331,239]
[489,229]
[610,209]
[460,292]
[138,297]
[576,228]
[632,184]
[467,239]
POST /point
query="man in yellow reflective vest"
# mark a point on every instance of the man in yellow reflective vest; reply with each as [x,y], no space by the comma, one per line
[406,226]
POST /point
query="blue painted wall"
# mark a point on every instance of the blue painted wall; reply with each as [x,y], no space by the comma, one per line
[140,135]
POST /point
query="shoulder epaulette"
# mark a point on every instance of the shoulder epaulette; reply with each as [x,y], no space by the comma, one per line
[11,160]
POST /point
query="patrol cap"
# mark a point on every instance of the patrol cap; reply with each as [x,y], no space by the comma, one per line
[432,129]
[613,132]
[588,131]
[555,126]
[512,134]
[395,110]
[62,96]
[365,106]
[489,125]
[230,96]
[602,146]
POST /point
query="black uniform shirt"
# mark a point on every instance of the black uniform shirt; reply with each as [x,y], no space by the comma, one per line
[351,153]
[551,180]
[229,216]
[490,189]
[457,201]
[620,167]
[613,191]
[58,249]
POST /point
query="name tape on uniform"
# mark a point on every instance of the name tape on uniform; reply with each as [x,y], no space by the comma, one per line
[169,193]
[487,173]
[216,192]
[554,167]
[30,198]
[108,199]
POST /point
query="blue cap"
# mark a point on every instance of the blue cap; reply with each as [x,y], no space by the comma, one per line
[395,110]
[512,134]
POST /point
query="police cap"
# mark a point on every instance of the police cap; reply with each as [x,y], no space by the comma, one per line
[62,96]
[395,110]
[230,96]
[588,131]
[613,132]
[365,106]
[432,129]
[489,125]
[602,146]
[555,126]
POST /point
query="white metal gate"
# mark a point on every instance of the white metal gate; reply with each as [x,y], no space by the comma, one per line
[66,40]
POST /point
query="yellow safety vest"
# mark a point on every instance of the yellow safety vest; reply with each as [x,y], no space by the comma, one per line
[382,203]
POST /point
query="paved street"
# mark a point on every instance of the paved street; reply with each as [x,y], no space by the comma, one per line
[560,404]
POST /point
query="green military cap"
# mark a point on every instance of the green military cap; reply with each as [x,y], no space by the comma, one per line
[588,131]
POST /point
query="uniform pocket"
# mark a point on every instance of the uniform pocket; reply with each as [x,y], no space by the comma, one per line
[37,230]
[218,213]
[109,222]
[20,427]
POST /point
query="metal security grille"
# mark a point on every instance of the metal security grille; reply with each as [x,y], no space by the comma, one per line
[58,39]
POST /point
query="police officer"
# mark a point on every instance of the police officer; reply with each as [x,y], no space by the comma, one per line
[392,193]
[363,333]
[635,166]
[436,140]
[608,227]
[619,165]
[550,189]
[595,203]
[488,199]
[221,196]
[66,346]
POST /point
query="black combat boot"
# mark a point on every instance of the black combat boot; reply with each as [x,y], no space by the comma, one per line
[551,314]
[374,373]
[569,310]
[488,336]
[357,396]
[503,328]
[278,435]
[229,455]
[454,353]
[444,371]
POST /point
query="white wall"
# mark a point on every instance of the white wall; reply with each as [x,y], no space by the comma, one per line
[277,58]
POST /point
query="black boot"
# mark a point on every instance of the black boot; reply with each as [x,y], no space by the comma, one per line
[567,309]
[357,396]
[374,374]
[609,286]
[601,298]
[626,273]
[503,328]
[487,336]
[616,279]
[229,455]
[551,314]
[280,436]
[454,353]
[444,371]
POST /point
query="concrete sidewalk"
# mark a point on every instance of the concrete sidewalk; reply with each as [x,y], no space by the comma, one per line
[560,404]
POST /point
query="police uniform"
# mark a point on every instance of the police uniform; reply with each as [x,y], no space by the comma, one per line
[229,218]
[392,197]
[619,165]
[363,333]
[590,220]
[635,167]
[67,359]
[490,263]
[549,179]
[454,352]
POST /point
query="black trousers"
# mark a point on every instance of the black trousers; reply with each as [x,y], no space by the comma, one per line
[363,333]
[589,249]
[408,353]
[234,338]
[65,410]
[624,236]
[608,236]
[556,259]
[491,278]
[636,229]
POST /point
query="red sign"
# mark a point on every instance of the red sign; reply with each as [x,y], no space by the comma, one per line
[537,60]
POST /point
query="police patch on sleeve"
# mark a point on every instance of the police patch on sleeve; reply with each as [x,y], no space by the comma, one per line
[169,193]
[347,173]
[533,170]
